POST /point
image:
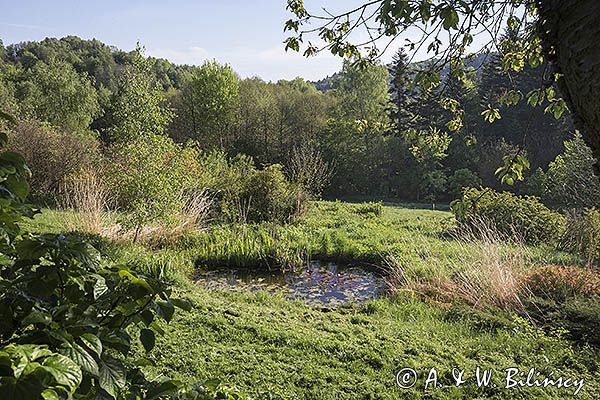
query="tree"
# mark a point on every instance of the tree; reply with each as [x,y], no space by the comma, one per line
[259,120]
[462,179]
[401,95]
[559,32]
[569,34]
[209,104]
[433,183]
[138,110]
[570,179]
[363,93]
[56,93]
[148,178]
[69,316]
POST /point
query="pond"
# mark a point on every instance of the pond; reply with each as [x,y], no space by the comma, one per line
[318,283]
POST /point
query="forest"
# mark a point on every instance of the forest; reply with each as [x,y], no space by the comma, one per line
[389,153]
[178,231]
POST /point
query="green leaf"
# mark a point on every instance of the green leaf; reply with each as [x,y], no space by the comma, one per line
[164,388]
[147,316]
[78,354]
[148,339]
[36,317]
[165,310]
[450,18]
[24,389]
[112,376]
[92,342]
[25,355]
[64,370]
[183,304]
[118,340]
[100,287]
[50,394]
[156,327]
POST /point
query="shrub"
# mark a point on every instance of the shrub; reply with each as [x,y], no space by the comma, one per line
[52,154]
[148,178]
[243,193]
[308,168]
[582,234]
[509,214]
[66,317]
[225,178]
[570,180]
[271,197]
[461,179]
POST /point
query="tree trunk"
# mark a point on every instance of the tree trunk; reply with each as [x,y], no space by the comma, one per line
[570,35]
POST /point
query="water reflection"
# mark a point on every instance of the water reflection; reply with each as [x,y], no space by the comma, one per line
[318,283]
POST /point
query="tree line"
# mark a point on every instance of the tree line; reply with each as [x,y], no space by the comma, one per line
[367,132]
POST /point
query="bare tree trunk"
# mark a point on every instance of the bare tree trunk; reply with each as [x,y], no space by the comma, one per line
[570,34]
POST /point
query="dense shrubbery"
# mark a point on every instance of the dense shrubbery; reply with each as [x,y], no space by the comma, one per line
[510,214]
[271,197]
[66,317]
[244,193]
[570,180]
[52,154]
[148,179]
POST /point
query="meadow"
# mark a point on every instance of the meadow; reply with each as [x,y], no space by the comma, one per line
[266,346]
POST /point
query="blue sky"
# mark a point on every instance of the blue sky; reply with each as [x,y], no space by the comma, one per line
[245,34]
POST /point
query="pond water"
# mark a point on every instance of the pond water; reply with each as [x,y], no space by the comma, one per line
[318,283]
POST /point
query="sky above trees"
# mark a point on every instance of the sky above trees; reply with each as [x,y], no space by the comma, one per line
[246,34]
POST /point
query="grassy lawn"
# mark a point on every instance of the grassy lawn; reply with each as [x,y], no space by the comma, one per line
[260,342]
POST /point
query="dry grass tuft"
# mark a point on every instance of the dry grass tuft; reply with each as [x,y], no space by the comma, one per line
[192,217]
[85,195]
[483,269]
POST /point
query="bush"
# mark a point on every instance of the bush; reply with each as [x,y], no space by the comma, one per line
[582,234]
[308,168]
[375,208]
[570,180]
[271,197]
[224,178]
[461,179]
[509,214]
[52,154]
[148,178]
[243,193]
[66,317]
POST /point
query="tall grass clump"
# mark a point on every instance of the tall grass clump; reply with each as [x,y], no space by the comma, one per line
[481,266]
[249,246]
[84,194]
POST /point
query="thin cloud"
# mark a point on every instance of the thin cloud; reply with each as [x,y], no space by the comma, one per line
[22,26]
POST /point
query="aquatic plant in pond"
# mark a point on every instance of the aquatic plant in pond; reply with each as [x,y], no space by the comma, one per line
[317,283]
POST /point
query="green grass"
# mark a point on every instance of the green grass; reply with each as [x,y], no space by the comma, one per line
[258,341]
[261,342]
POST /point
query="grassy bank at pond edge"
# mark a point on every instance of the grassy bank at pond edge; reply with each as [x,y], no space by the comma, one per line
[261,342]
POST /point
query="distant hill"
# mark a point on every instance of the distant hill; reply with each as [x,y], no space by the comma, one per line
[328,83]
